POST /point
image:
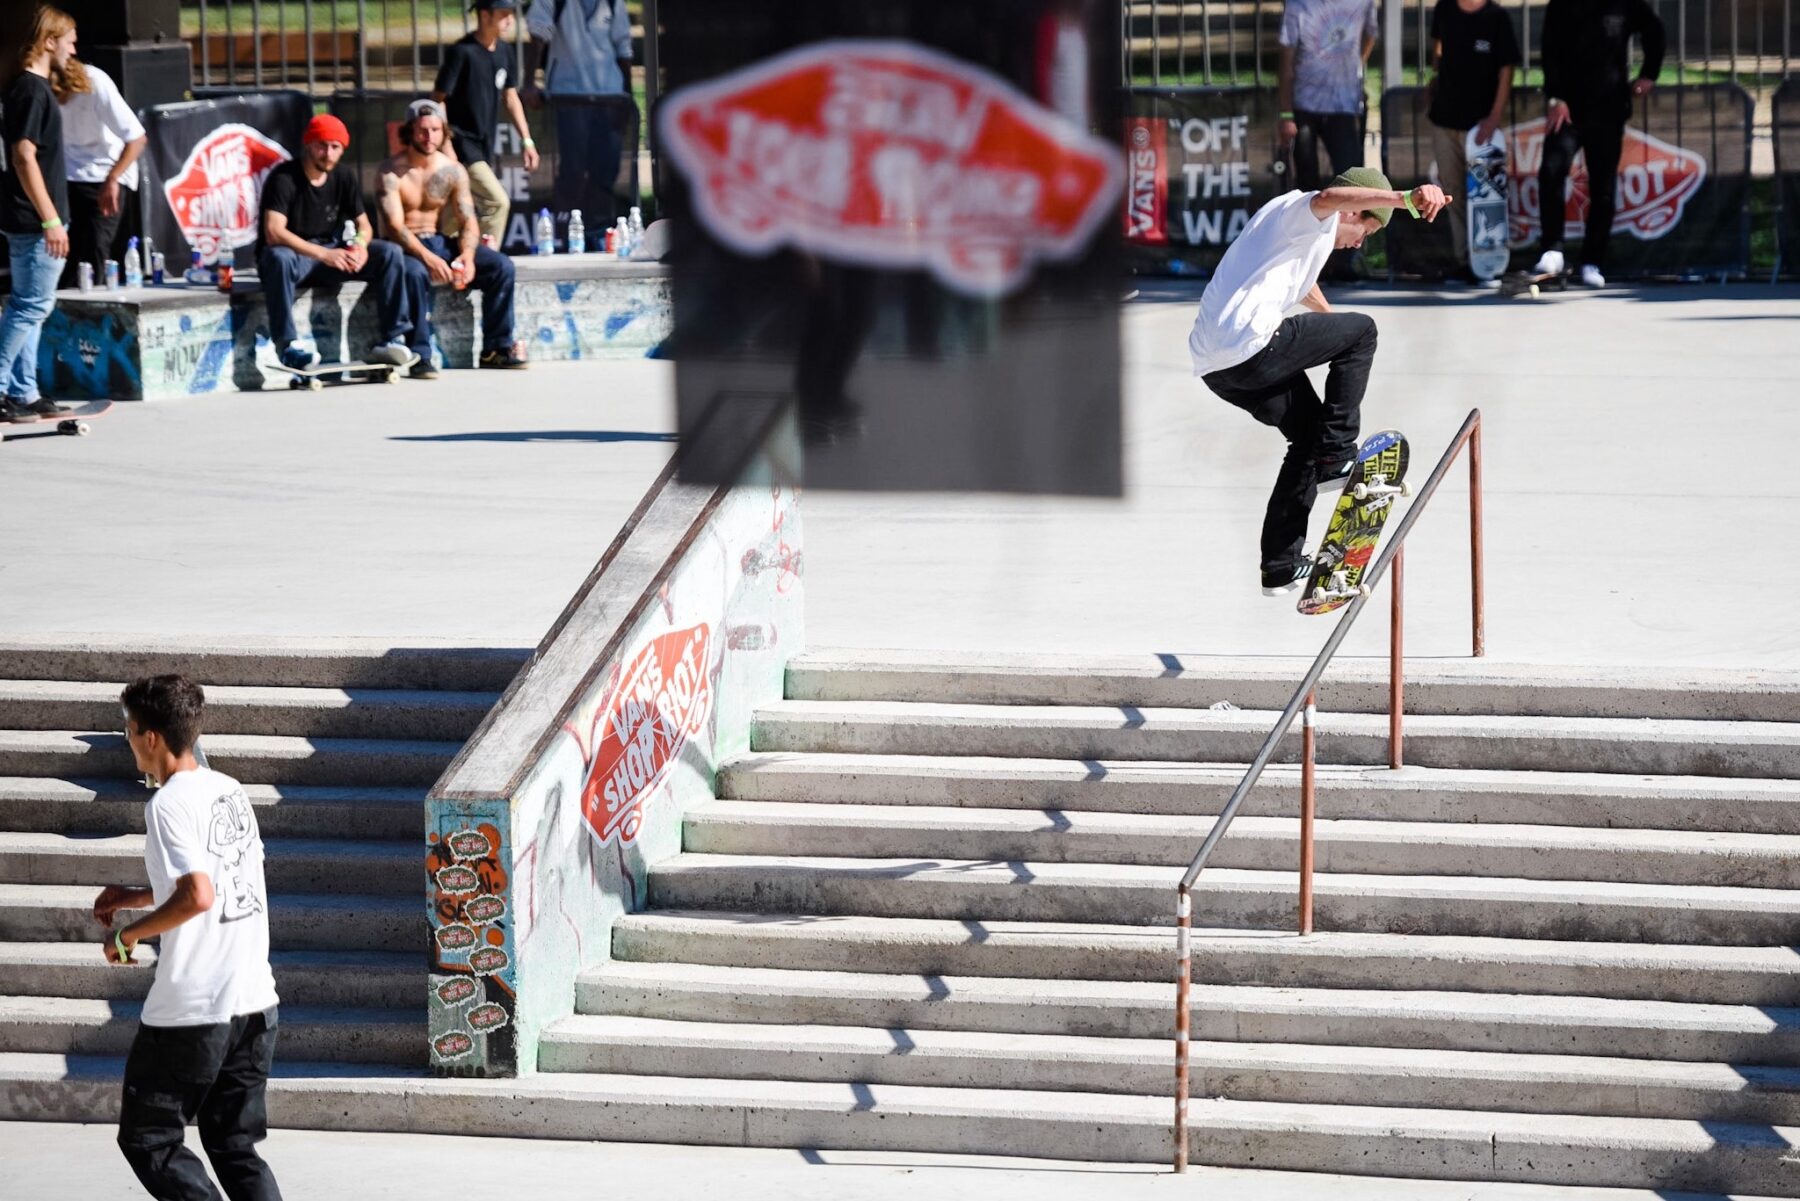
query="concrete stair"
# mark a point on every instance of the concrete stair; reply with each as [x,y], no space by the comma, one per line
[932,910]
[335,745]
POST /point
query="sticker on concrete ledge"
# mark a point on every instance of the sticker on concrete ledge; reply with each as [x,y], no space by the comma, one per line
[484,1018]
[458,878]
[488,961]
[470,844]
[456,937]
[453,1045]
[485,908]
[890,154]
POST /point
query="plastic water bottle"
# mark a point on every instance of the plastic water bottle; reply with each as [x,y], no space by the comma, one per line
[197,272]
[624,228]
[348,237]
[134,265]
[577,233]
[148,250]
[544,239]
[637,226]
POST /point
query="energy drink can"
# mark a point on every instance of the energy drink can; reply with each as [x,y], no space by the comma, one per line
[112,275]
[84,277]
[225,275]
[157,267]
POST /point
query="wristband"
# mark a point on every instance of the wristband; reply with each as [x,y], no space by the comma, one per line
[1287,116]
[531,143]
[359,240]
[119,945]
[53,223]
[1407,200]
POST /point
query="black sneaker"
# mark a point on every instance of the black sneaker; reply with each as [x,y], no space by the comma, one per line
[503,359]
[12,410]
[45,407]
[1331,477]
[423,369]
[1282,581]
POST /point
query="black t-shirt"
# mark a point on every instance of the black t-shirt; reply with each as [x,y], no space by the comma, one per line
[314,214]
[1477,47]
[28,112]
[472,79]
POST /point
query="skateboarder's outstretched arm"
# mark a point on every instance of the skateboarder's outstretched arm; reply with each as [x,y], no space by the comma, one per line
[1426,200]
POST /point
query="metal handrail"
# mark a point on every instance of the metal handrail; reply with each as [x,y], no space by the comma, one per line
[1303,700]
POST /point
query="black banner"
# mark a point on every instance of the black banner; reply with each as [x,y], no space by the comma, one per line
[1683,186]
[587,158]
[1199,163]
[204,169]
[1787,174]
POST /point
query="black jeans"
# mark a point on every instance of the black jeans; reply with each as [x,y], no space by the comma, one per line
[1272,387]
[493,279]
[588,148]
[1602,138]
[217,1075]
[93,238]
[1342,135]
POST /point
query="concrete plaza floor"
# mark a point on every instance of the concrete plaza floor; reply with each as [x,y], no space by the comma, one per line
[53,1162]
[1639,477]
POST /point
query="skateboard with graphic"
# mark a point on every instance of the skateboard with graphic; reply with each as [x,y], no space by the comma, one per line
[1377,479]
[72,421]
[315,378]
[1487,183]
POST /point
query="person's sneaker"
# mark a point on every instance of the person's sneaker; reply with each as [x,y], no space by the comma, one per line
[1286,580]
[1549,263]
[392,354]
[12,410]
[423,369]
[506,358]
[1331,477]
[1590,276]
[297,357]
[46,408]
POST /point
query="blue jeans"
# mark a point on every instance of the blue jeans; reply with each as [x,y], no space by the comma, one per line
[282,271]
[34,277]
[493,279]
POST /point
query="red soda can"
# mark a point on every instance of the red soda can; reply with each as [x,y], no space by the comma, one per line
[225,276]
[612,241]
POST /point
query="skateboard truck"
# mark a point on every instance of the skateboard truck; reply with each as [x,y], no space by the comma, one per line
[1378,486]
[1337,587]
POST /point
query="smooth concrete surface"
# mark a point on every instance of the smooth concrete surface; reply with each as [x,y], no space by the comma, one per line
[1638,454]
[63,1160]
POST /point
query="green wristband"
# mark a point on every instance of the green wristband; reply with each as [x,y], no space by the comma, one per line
[1287,116]
[53,223]
[1406,198]
[119,945]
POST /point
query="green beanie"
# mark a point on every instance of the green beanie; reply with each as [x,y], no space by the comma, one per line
[1367,177]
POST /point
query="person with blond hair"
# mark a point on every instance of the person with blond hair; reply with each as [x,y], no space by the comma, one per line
[102,139]
[34,204]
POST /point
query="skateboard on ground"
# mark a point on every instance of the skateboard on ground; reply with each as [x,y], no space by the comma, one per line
[1527,283]
[73,422]
[1376,478]
[314,378]
[1487,183]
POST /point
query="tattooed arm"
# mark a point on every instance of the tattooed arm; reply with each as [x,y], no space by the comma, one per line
[393,212]
[464,201]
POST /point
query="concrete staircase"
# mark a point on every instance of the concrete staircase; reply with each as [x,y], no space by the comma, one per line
[931,912]
[335,746]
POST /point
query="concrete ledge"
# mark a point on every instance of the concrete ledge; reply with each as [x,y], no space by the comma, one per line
[42,805]
[266,662]
[71,1026]
[293,864]
[297,921]
[153,343]
[356,979]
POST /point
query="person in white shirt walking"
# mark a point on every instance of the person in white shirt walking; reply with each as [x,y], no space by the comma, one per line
[206,1038]
[586,48]
[1248,350]
[102,139]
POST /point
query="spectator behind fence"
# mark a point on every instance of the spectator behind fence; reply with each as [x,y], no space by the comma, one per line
[1325,45]
[419,186]
[34,204]
[1473,54]
[206,1034]
[102,139]
[586,48]
[479,73]
[1588,91]
[306,203]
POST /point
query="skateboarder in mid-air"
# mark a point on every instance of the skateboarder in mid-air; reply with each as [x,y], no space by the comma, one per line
[1251,353]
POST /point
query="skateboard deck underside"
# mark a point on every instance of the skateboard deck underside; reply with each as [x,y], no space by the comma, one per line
[1487,184]
[1355,529]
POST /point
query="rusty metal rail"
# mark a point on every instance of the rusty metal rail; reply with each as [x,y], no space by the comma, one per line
[1303,704]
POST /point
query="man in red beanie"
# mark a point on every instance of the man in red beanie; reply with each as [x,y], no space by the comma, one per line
[313,229]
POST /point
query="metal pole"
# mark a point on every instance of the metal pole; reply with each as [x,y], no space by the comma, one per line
[362,44]
[205,50]
[1184,970]
[1206,70]
[1307,801]
[1397,661]
[256,42]
[1394,18]
[1155,44]
[1477,596]
[1256,43]
[281,54]
[312,70]
[1181,37]
[230,47]
[418,65]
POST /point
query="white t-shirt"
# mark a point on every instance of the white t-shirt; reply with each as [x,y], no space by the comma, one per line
[215,966]
[96,126]
[586,41]
[1273,263]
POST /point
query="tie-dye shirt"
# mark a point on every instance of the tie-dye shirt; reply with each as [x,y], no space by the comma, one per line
[1327,38]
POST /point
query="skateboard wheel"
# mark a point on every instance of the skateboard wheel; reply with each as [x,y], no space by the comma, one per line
[1362,590]
[1360,492]
[1405,488]
[81,429]
[314,385]
[1534,292]
[392,377]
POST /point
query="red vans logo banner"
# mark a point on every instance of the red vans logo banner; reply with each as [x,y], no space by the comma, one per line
[889,154]
[1146,181]
[216,195]
[663,698]
[1656,182]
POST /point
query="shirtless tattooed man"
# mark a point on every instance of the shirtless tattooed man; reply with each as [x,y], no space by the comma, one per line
[425,191]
